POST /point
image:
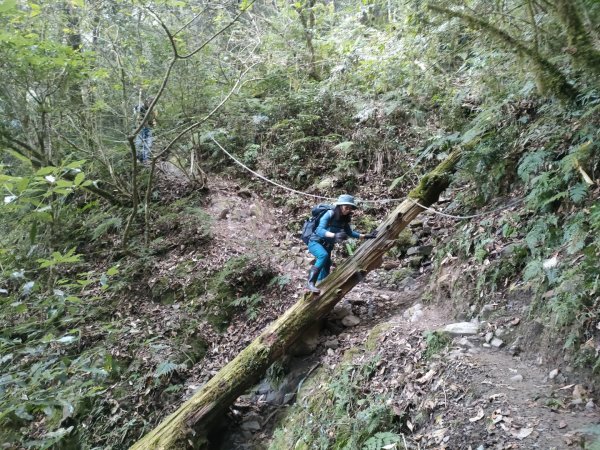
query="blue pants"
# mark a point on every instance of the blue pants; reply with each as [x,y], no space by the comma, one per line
[143,143]
[323,255]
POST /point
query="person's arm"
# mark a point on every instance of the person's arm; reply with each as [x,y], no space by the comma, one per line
[351,233]
[321,230]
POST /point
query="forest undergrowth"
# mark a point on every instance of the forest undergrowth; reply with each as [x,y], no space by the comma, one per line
[122,290]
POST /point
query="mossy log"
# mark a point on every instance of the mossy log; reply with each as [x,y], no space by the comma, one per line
[189,426]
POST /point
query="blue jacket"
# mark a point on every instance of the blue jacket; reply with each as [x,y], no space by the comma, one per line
[328,223]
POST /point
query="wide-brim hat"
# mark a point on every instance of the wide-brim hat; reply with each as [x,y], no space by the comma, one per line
[346,199]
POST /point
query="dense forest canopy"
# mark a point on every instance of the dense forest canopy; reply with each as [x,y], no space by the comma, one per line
[322,96]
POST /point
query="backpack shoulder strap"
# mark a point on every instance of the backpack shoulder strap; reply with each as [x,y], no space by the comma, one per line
[328,212]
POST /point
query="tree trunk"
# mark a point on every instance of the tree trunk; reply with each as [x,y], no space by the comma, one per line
[581,46]
[549,78]
[189,426]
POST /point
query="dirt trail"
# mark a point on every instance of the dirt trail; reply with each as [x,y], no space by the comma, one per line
[475,398]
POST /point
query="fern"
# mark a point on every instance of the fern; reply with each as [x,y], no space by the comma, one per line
[166,367]
[112,223]
[531,163]
[533,270]
[382,441]
[575,234]
[541,231]
[578,192]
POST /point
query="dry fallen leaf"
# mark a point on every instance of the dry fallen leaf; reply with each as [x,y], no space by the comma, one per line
[425,378]
[522,433]
[479,416]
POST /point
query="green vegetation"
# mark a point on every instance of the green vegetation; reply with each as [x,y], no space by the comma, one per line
[338,412]
[325,97]
[235,288]
[436,342]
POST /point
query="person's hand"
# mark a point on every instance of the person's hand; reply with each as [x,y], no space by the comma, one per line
[371,235]
[341,236]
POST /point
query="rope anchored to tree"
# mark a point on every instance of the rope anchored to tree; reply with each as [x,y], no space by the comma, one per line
[387,200]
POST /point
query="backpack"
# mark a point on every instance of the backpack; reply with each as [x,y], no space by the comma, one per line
[311,224]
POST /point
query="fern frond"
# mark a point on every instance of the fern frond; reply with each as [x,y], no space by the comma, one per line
[533,270]
[383,440]
[575,235]
[531,163]
[112,223]
[578,192]
[166,367]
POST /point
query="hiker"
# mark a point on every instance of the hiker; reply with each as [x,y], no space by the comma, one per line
[334,226]
[143,141]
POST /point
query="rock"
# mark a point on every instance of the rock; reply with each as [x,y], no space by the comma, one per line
[515,349]
[489,336]
[415,261]
[251,425]
[500,332]
[579,391]
[389,265]
[332,343]
[496,342]
[487,310]
[466,343]
[307,343]
[461,328]
[244,193]
[424,250]
[274,398]
[223,214]
[590,405]
[517,378]
[552,374]
[326,184]
[340,311]
[416,315]
[263,388]
[407,282]
[350,321]
[384,297]
[413,313]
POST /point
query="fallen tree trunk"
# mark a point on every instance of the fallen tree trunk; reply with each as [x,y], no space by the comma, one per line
[189,425]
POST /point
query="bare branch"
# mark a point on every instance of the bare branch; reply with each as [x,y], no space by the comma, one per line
[222,30]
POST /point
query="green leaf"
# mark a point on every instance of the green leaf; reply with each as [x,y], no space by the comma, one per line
[64,183]
[8,6]
[79,178]
[45,171]
[75,165]
[18,156]
[344,146]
